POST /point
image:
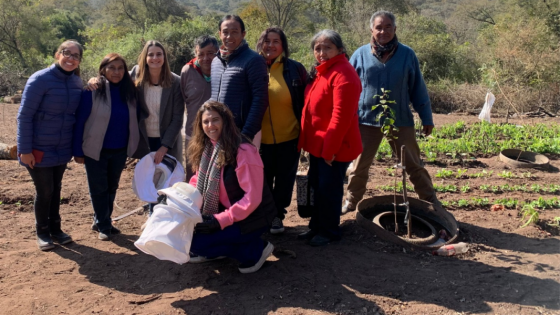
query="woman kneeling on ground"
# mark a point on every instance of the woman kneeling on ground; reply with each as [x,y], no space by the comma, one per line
[106,132]
[238,206]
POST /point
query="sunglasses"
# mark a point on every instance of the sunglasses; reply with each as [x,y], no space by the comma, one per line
[66,53]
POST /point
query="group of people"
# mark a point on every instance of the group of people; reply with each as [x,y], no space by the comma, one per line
[248,116]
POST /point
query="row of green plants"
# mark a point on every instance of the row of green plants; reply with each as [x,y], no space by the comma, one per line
[462,174]
[462,141]
[509,203]
[496,189]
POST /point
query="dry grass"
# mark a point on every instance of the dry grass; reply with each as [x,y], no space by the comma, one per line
[448,97]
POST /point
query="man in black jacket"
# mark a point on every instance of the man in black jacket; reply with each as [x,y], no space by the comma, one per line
[240,77]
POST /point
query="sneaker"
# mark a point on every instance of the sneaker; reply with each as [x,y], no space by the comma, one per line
[195,259]
[267,251]
[44,242]
[104,236]
[114,230]
[319,240]
[348,207]
[61,238]
[277,226]
[307,235]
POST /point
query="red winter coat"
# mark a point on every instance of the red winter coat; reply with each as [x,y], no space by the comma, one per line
[329,122]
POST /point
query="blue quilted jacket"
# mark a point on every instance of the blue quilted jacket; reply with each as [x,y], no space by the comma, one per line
[46,115]
[242,84]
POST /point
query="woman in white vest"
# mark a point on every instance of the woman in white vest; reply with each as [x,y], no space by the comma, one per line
[105,133]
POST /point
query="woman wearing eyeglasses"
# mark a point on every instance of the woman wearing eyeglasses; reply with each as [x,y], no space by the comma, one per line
[44,137]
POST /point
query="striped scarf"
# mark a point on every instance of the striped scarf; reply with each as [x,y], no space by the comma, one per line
[380,51]
[208,183]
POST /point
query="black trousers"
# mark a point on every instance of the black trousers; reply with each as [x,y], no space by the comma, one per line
[280,167]
[48,183]
[328,184]
[103,178]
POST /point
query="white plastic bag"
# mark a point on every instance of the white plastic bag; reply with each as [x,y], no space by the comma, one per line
[169,230]
[487,108]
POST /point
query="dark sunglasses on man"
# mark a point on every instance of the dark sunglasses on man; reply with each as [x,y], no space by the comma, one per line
[66,53]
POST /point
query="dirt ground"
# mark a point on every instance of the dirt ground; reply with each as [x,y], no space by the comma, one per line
[508,269]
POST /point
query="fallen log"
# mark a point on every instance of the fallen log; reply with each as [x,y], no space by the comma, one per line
[8,152]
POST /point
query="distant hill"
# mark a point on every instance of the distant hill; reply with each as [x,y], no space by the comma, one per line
[221,6]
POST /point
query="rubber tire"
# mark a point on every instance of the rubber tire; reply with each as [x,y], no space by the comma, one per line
[416,241]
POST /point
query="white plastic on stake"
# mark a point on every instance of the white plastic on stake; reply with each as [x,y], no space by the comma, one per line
[487,108]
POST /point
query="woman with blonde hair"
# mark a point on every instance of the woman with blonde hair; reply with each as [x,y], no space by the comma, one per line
[161,117]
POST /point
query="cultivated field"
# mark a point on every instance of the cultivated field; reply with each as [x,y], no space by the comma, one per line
[509,269]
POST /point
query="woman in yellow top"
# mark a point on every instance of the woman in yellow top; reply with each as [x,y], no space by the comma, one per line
[281,122]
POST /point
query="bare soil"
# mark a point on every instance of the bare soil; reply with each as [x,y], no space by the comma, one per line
[507,270]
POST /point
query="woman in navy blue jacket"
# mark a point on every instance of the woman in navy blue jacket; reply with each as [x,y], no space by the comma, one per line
[44,137]
[106,132]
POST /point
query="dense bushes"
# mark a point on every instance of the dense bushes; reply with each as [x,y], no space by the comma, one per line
[512,51]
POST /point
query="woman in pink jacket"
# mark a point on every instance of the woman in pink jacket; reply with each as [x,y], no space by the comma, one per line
[329,132]
[238,206]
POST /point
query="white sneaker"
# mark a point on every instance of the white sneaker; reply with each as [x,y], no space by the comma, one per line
[267,251]
[348,207]
[195,259]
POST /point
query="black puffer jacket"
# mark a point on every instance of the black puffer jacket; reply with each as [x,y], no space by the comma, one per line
[242,84]
[295,76]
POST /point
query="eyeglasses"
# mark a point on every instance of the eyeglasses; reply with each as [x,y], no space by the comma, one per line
[66,53]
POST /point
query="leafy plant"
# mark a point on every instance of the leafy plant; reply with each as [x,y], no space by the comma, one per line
[507,174]
[529,215]
[461,173]
[463,203]
[445,188]
[484,173]
[484,188]
[387,115]
[465,188]
[556,222]
[444,173]
[507,202]
[480,201]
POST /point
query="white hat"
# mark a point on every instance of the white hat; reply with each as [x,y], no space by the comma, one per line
[150,177]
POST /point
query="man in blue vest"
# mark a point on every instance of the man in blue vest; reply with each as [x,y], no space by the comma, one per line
[240,77]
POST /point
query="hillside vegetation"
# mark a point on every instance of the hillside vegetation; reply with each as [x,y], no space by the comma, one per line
[466,48]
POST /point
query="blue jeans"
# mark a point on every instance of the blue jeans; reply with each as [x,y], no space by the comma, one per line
[48,183]
[328,185]
[103,178]
[280,167]
[229,242]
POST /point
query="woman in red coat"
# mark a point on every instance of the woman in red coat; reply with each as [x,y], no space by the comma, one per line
[329,132]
